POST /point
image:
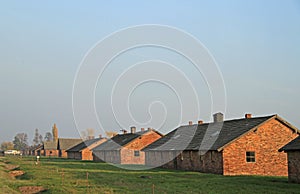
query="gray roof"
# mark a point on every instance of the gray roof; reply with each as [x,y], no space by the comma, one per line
[65,143]
[209,136]
[116,142]
[294,145]
[37,147]
[50,145]
[84,144]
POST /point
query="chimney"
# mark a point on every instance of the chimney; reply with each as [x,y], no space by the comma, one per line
[149,128]
[100,136]
[200,122]
[190,122]
[132,129]
[124,131]
[248,116]
[91,137]
[218,117]
[55,132]
[142,129]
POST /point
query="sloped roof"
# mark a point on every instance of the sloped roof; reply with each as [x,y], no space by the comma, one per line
[65,143]
[116,142]
[209,136]
[294,145]
[83,145]
[50,145]
[37,147]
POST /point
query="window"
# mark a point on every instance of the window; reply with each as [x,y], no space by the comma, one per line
[250,156]
[136,153]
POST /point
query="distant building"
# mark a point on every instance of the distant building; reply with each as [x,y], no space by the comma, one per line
[126,148]
[293,153]
[83,150]
[247,146]
[58,146]
[37,150]
[63,144]
[50,148]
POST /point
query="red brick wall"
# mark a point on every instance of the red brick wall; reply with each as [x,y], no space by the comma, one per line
[127,152]
[294,166]
[265,142]
[143,141]
[86,154]
[210,162]
[63,154]
[51,153]
[128,157]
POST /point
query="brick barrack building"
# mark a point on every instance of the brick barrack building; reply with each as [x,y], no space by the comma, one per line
[126,148]
[83,150]
[246,146]
[293,152]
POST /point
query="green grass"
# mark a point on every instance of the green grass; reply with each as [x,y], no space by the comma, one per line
[70,176]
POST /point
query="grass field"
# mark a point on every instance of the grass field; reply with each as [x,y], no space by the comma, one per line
[69,176]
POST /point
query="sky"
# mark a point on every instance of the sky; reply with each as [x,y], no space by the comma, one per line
[255,45]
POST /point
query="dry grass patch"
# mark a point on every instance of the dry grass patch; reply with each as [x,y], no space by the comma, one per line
[31,189]
[16,173]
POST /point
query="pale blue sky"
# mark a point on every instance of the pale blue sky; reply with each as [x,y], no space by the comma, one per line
[255,43]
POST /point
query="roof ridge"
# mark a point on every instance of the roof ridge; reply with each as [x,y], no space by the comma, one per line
[237,119]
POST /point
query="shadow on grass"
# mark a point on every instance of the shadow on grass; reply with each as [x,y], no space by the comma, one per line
[25,176]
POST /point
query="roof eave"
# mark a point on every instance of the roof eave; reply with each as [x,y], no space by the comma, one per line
[288,124]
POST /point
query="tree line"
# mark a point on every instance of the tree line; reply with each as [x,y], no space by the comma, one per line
[20,141]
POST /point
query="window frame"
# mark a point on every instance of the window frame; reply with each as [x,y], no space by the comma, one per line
[136,153]
[250,157]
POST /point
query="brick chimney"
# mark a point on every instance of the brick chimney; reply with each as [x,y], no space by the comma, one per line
[248,116]
[190,122]
[200,122]
[218,117]
[142,129]
[149,128]
[55,132]
[124,131]
[133,129]
[100,136]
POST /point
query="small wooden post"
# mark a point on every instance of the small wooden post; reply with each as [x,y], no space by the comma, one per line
[87,178]
[87,182]
[152,188]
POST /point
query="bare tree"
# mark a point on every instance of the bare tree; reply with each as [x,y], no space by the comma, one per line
[48,137]
[40,139]
[83,135]
[110,134]
[91,133]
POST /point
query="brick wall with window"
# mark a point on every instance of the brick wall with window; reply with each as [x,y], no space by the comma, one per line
[257,152]
[250,156]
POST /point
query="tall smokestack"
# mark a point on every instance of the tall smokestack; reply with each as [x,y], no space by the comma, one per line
[55,132]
